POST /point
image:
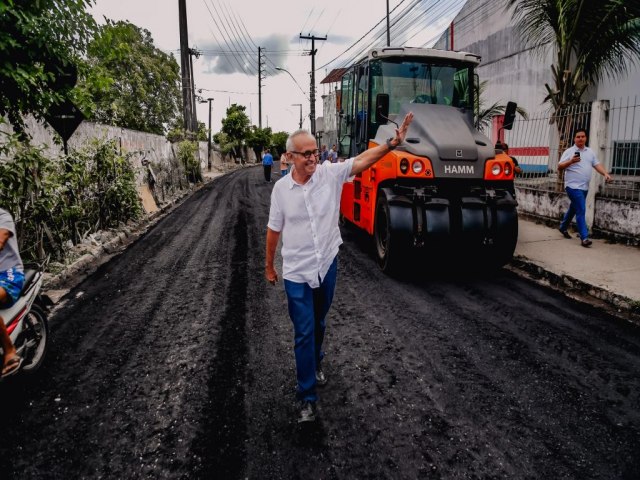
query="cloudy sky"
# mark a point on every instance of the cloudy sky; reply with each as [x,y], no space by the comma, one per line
[228,35]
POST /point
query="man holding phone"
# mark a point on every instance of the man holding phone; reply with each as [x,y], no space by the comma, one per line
[577,162]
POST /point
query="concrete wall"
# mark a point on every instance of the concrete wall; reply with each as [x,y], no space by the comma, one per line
[542,203]
[514,72]
[139,145]
[619,219]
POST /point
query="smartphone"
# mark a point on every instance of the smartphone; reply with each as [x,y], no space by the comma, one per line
[577,154]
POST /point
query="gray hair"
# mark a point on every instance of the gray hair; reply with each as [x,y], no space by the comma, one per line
[295,134]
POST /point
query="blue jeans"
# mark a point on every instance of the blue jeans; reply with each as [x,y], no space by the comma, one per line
[308,309]
[578,208]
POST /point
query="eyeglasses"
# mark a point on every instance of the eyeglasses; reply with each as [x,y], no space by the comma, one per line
[307,153]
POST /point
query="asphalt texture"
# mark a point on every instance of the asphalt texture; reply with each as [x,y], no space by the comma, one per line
[175,360]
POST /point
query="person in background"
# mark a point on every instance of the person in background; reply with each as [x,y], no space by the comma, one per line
[516,167]
[11,282]
[304,210]
[577,162]
[284,165]
[333,154]
[324,154]
[267,164]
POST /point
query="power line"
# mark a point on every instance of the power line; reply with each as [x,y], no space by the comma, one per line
[317,19]
[440,10]
[272,66]
[305,22]
[242,37]
[241,67]
[381,32]
[357,41]
[252,65]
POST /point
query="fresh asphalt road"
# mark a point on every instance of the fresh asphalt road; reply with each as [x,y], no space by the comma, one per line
[175,361]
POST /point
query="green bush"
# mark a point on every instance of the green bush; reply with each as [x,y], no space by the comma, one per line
[188,156]
[54,201]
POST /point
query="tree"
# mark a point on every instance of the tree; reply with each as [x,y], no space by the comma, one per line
[41,43]
[130,83]
[592,39]
[224,144]
[177,133]
[279,141]
[236,126]
[259,139]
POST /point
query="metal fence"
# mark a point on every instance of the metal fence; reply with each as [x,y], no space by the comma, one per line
[623,150]
[538,143]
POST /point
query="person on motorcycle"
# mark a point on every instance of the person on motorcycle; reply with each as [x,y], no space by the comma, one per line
[11,282]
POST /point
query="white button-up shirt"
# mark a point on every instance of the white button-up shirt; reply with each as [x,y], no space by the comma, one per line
[307,217]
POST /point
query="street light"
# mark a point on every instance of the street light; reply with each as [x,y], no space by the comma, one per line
[205,100]
[294,79]
[298,105]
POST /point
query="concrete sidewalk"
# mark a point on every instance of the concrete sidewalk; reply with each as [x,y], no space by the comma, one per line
[605,271]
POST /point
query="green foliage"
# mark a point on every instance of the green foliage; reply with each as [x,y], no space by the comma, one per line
[203,132]
[279,141]
[592,40]
[28,193]
[176,133]
[236,126]
[188,157]
[129,82]
[41,43]
[225,145]
[258,139]
[56,201]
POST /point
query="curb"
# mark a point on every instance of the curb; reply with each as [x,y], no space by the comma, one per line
[616,304]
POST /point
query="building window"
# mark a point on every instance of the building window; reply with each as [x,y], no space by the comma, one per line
[626,158]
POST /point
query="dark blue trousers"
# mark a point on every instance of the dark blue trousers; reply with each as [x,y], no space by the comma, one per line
[578,209]
[308,309]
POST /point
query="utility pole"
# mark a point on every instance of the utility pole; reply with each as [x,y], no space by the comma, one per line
[388,28]
[261,76]
[194,118]
[185,67]
[208,133]
[298,105]
[313,38]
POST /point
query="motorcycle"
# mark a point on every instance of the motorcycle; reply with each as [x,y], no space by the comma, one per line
[27,324]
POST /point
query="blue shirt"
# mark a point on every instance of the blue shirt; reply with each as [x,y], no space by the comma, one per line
[267,159]
[578,175]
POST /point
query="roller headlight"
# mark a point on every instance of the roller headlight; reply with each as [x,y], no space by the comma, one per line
[507,169]
[417,166]
[496,169]
[404,165]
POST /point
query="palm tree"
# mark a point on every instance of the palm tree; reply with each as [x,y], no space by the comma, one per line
[592,39]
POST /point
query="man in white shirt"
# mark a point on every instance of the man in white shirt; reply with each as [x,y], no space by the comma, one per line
[304,208]
[577,163]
